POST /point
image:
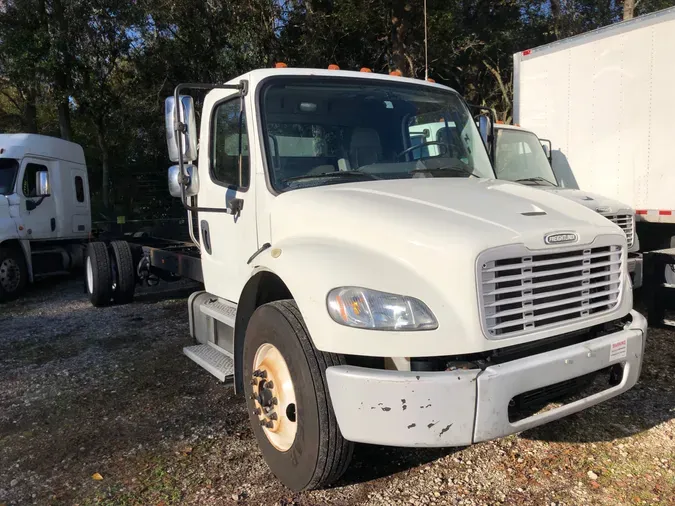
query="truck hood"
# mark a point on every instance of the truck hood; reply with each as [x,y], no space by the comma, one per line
[593,201]
[438,213]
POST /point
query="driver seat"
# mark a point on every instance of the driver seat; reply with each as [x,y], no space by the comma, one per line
[365,147]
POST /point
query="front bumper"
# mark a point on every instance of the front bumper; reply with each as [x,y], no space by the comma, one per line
[457,408]
[635,269]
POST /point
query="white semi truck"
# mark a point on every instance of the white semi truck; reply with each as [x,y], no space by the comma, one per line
[44,209]
[605,100]
[358,293]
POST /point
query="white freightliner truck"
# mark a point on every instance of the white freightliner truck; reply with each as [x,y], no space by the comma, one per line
[44,209]
[357,294]
[605,100]
[520,156]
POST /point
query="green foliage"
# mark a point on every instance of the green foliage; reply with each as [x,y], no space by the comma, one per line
[102,68]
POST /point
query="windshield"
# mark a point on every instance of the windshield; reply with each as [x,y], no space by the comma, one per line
[336,130]
[8,169]
[520,157]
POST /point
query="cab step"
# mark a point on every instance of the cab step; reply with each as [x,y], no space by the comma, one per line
[222,310]
[216,362]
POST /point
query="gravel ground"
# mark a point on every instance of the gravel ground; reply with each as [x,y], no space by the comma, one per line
[99,406]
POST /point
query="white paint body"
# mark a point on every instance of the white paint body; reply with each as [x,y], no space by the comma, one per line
[422,240]
[605,100]
[60,217]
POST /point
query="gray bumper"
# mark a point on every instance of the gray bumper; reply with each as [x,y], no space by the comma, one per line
[635,269]
[457,408]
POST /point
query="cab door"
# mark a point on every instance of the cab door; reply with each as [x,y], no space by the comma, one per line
[38,212]
[227,240]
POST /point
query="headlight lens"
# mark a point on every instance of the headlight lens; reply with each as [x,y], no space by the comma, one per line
[370,309]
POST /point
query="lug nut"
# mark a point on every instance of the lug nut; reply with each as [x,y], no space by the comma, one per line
[275,401]
[263,374]
[270,384]
[273,416]
[256,411]
[269,424]
[254,382]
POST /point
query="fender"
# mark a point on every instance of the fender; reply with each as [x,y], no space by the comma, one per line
[310,268]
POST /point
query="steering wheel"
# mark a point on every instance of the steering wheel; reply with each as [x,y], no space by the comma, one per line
[445,151]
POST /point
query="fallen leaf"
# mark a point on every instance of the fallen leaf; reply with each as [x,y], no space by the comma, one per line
[97,477]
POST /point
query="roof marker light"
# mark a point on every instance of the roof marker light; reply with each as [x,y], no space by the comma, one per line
[526,52]
[332,66]
[431,80]
[280,65]
[396,73]
[365,69]
[665,212]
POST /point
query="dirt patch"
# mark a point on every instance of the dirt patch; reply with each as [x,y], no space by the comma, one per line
[108,391]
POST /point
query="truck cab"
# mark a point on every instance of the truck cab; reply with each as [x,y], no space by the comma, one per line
[44,209]
[364,284]
[522,157]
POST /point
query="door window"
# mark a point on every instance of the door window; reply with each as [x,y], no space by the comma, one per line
[29,183]
[229,145]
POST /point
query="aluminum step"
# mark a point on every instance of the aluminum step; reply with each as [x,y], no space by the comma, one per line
[214,361]
[221,310]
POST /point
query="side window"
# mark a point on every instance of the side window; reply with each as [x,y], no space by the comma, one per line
[229,140]
[29,183]
[79,189]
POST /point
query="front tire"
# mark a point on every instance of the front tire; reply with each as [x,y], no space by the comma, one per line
[293,418]
[13,274]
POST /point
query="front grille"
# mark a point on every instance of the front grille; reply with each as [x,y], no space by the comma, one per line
[521,294]
[626,222]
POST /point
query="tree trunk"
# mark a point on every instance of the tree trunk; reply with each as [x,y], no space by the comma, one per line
[105,169]
[556,14]
[399,28]
[628,9]
[62,77]
[30,113]
[64,120]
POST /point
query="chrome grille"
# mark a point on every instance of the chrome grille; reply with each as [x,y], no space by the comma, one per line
[522,293]
[626,222]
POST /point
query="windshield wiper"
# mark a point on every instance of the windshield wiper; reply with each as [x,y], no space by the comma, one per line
[454,168]
[536,179]
[337,173]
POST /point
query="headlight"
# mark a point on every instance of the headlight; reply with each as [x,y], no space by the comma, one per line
[370,309]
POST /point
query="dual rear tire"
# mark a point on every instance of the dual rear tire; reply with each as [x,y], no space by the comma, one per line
[109,274]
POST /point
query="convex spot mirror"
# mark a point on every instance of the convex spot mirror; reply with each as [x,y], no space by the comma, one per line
[190,179]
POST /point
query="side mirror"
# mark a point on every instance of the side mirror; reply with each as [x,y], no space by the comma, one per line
[42,183]
[190,179]
[186,116]
[546,146]
[485,128]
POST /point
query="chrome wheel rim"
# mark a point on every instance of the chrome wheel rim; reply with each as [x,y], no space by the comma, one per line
[274,397]
[10,275]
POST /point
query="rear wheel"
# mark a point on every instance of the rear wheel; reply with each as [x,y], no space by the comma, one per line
[98,274]
[125,275]
[288,401]
[13,274]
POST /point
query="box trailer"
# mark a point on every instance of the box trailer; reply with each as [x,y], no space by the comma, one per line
[605,99]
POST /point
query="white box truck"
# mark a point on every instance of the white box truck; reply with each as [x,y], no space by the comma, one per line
[605,100]
[45,215]
[356,292]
